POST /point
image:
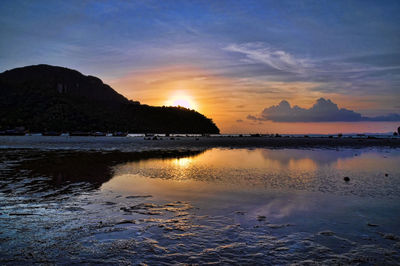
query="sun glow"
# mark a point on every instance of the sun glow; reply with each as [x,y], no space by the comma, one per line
[182,99]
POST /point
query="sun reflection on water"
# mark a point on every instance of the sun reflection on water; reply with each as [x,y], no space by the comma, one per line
[182,162]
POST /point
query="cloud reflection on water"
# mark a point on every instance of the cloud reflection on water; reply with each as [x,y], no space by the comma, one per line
[226,170]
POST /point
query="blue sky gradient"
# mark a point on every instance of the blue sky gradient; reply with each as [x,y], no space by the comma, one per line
[348,51]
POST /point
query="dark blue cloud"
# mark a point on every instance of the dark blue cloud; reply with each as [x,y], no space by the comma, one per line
[322,111]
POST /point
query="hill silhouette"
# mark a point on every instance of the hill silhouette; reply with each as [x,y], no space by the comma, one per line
[52,98]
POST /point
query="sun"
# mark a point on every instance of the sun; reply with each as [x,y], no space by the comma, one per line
[182,102]
[182,99]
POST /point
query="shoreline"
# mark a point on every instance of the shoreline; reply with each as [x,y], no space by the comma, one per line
[127,144]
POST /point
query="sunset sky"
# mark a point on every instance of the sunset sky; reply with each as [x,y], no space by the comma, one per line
[230,60]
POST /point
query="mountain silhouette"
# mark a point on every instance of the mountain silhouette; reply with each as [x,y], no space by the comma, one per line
[52,98]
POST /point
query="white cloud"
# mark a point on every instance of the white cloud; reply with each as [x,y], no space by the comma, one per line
[277,59]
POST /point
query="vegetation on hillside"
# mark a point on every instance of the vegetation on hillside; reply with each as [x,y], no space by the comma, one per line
[48,98]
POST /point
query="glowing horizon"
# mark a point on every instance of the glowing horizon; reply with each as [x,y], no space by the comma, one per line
[206,93]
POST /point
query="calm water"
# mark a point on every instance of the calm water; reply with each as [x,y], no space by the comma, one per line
[246,206]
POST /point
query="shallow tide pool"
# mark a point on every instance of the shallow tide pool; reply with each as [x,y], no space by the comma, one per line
[245,206]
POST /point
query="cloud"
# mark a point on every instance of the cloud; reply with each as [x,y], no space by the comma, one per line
[239,120]
[359,75]
[322,111]
[277,59]
[252,117]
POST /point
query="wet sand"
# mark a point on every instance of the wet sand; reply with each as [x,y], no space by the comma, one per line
[196,205]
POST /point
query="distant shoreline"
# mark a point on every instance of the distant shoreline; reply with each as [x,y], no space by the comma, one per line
[129,144]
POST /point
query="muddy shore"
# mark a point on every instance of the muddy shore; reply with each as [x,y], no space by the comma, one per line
[141,144]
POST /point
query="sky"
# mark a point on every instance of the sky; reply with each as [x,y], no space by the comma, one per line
[334,64]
